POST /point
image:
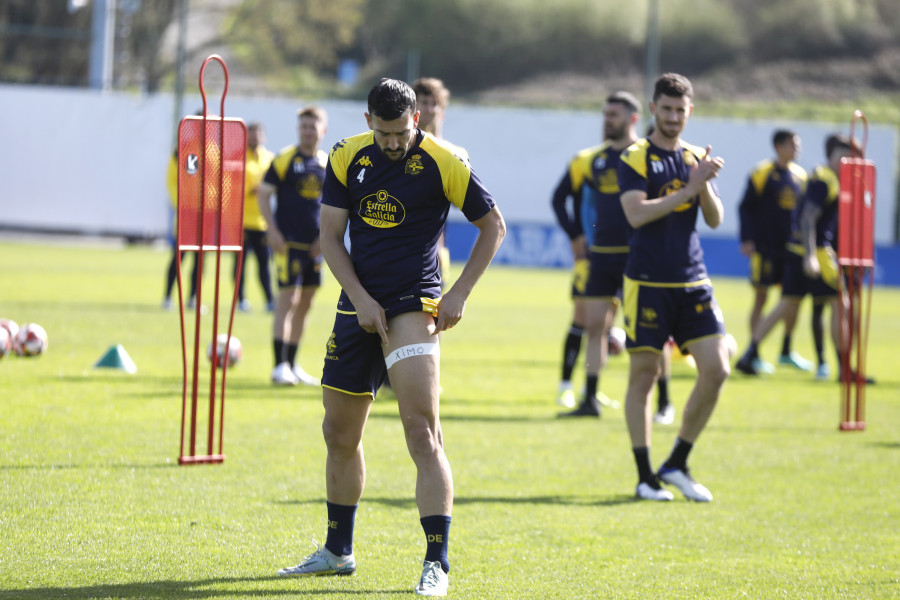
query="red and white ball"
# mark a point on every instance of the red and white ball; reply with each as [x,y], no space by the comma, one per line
[235,350]
[615,341]
[31,340]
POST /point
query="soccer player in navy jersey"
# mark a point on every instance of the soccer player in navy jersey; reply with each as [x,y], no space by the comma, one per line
[811,264]
[393,186]
[592,177]
[774,189]
[665,182]
[570,186]
[296,177]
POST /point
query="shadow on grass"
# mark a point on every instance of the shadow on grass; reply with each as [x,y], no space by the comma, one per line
[885,445]
[202,588]
[406,503]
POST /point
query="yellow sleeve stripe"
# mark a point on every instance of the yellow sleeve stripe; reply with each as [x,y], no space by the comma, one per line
[636,157]
[830,179]
[344,151]
[455,172]
[761,174]
[283,161]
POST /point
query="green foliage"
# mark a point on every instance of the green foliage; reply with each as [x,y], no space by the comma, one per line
[479,44]
[94,506]
[285,39]
[697,35]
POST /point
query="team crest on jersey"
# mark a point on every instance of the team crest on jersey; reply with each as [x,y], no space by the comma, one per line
[787,200]
[330,347]
[381,210]
[299,166]
[672,187]
[365,161]
[609,182]
[338,146]
[648,315]
[414,164]
[600,162]
[309,187]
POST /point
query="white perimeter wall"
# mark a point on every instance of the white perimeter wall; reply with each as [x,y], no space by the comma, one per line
[80,160]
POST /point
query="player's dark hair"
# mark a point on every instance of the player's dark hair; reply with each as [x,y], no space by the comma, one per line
[837,141]
[390,98]
[673,85]
[781,136]
[625,99]
[432,86]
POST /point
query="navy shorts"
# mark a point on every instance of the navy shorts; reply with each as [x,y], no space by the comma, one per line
[652,311]
[296,268]
[767,268]
[606,274]
[796,284]
[354,358]
[581,271]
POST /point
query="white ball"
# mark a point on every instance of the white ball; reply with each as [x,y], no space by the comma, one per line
[616,341]
[235,350]
[5,342]
[31,340]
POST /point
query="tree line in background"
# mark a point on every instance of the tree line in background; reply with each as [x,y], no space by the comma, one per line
[295,46]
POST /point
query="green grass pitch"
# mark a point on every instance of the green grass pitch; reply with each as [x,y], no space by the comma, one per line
[94,505]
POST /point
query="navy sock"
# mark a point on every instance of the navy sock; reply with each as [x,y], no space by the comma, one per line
[340,528]
[590,390]
[818,330]
[278,347]
[291,351]
[570,350]
[662,388]
[437,534]
[644,468]
[786,346]
[753,350]
[678,458]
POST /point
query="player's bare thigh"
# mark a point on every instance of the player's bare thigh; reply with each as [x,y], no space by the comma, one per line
[413,354]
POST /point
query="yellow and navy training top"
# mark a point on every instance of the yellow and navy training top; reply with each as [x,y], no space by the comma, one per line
[592,180]
[397,211]
[255,167]
[772,194]
[822,190]
[666,250]
[298,180]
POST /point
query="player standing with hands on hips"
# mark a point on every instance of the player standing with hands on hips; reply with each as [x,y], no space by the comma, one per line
[393,185]
[664,183]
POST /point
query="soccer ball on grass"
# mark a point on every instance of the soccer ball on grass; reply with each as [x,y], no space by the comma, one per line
[235,350]
[31,340]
